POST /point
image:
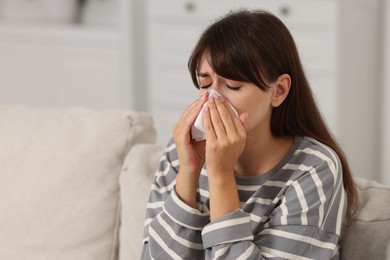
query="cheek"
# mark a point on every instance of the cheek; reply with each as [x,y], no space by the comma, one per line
[236,104]
[258,111]
[243,103]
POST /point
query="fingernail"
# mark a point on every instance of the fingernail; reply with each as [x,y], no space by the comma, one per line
[211,99]
[206,108]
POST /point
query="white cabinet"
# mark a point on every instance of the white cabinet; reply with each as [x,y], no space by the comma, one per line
[88,77]
[87,64]
[22,73]
[173,27]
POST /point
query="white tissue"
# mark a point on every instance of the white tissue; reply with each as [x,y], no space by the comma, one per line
[197,130]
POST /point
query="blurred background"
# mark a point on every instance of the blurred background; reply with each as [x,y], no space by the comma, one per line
[132,54]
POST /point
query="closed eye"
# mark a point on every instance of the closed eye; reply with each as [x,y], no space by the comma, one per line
[233,88]
[205,86]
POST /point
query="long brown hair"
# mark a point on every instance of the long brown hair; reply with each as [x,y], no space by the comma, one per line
[255,46]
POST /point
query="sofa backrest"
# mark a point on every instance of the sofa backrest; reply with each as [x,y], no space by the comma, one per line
[59,175]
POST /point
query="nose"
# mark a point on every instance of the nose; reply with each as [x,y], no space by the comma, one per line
[217,84]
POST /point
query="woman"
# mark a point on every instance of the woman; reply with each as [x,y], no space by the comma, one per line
[270,182]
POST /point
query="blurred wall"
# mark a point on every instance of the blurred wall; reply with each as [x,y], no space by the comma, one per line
[364,73]
[361,53]
[385,137]
[140,70]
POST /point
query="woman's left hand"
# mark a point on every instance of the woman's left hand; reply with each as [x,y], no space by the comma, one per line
[226,135]
[225,141]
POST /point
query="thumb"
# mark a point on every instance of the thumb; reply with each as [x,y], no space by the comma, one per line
[244,118]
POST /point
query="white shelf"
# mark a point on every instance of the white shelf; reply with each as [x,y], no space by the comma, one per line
[71,36]
[58,29]
[96,12]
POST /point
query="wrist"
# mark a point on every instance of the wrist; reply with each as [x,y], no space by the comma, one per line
[220,175]
[187,187]
[190,171]
[222,180]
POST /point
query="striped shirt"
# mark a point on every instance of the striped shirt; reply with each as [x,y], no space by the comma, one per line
[293,211]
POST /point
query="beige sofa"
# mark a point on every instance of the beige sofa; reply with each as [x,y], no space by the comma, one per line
[75,183]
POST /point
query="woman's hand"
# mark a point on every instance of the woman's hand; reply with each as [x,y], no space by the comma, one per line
[226,136]
[191,154]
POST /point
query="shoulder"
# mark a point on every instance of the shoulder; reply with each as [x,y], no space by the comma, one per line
[317,177]
[314,191]
[312,153]
[314,161]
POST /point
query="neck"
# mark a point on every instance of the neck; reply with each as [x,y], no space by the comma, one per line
[262,152]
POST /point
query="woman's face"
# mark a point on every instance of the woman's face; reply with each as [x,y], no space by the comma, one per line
[244,96]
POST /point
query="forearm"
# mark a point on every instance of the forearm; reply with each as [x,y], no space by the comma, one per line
[224,197]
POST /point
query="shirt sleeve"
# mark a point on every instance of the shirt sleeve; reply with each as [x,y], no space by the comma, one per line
[231,237]
[172,229]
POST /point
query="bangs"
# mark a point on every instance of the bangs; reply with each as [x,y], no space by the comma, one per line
[228,54]
[227,59]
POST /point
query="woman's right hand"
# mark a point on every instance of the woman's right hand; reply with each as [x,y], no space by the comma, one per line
[191,154]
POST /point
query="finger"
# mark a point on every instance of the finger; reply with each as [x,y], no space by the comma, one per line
[230,108]
[234,117]
[216,120]
[195,106]
[192,111]
[244,118]
[183,125]
[207,125]
[226,116]
[240,123]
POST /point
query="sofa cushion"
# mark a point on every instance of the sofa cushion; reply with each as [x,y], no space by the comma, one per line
[136,179]
[367,235]
[59,173]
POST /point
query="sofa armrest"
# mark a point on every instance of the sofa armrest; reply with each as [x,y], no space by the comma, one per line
[135,180]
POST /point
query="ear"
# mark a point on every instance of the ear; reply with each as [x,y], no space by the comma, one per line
[281,88]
